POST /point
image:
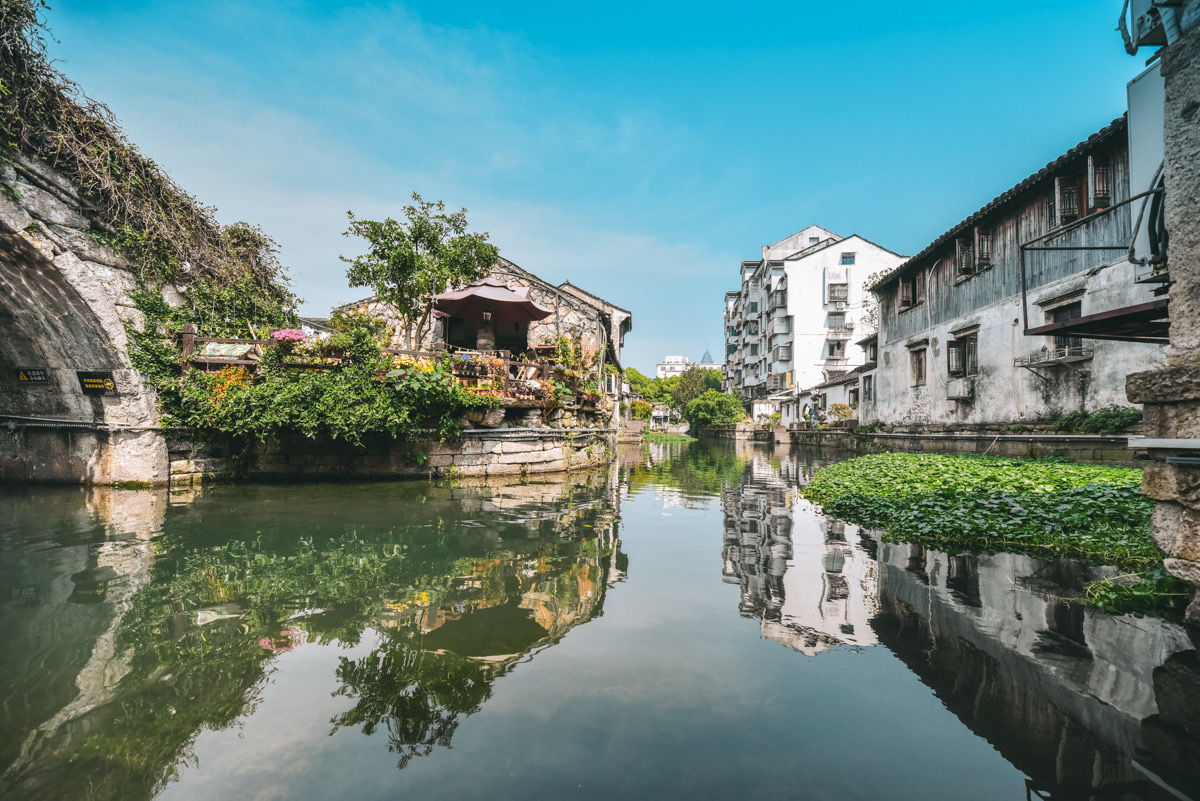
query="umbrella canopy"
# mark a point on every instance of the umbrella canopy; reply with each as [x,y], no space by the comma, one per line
[490,295]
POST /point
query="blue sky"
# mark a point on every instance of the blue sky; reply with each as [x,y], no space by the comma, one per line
[640,150]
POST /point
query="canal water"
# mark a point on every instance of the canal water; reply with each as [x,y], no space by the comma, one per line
[680,625]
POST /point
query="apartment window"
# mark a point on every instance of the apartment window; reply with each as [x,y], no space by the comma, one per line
[868,387]
[962,355]
[839,292]
[1071,346]
[912,289]
[837,319]
[916,359]
[837,349]
[852,397]
[753,307]
[872,352]
[847,258]
[752,329]
[731,348]
[754,350]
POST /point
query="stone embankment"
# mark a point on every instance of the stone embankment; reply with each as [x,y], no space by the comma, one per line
[478,452]
[1085,448]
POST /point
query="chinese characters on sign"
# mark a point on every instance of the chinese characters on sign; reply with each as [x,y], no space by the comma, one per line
[32,375]
[97,382]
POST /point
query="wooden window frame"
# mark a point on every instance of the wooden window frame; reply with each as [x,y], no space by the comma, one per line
[962,355]
[919,366]
[984,244]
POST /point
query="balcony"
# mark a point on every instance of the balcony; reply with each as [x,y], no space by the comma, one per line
[1095,238]
[783,353]
[779,325]
[778,299]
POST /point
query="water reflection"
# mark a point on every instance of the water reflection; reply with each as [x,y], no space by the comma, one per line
[1085,704]
[134,620]
[286,641]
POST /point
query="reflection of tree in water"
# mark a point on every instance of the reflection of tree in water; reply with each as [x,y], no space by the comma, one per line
[694,469]
[196,645]
[416,694]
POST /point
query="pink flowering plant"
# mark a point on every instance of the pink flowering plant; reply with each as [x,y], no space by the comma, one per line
[289,335]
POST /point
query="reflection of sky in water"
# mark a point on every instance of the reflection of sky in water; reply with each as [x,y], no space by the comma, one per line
[613,636]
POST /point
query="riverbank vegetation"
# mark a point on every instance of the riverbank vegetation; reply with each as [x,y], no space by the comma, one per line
[228,273]
[663,436]
[1093,513]
[715,408]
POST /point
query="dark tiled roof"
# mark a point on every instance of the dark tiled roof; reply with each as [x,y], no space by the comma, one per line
[1108,132]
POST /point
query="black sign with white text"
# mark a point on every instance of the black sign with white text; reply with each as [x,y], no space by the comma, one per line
[32,375]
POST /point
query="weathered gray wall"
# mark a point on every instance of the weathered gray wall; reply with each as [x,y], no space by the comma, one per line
[479,452]
[1087,448]
[63,308]
[1172,395]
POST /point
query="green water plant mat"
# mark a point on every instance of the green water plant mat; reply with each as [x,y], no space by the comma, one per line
[1093,513]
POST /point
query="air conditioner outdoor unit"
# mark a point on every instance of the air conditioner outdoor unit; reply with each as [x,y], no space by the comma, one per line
[1149,24]
[960,388]
[840,305]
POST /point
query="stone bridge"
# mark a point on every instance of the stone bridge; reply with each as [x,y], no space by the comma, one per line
[63,310]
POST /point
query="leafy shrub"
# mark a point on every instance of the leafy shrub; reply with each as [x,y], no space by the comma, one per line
[347,403]
[840,411]
[1108,420]
[870,428]
[1153,591]
[715,409]
[641,410]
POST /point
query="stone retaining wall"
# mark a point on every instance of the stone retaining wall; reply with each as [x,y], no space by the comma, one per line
[741,431]
[478,452]
[1087,448]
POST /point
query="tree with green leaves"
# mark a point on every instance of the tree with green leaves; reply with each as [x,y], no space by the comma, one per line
[411,261]
[712,378]
[715,409]
[691,386]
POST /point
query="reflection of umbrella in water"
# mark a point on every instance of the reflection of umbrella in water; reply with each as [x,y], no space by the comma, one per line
[490,296]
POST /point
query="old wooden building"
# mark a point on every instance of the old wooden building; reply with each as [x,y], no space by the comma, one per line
[981,327]
[598,326]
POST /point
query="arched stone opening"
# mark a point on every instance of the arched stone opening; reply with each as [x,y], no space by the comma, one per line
[63,307]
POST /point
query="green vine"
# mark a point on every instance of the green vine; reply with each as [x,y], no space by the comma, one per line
[134,206]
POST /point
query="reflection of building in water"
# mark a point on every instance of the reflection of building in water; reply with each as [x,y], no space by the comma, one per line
[1086,704]
[77,593]
[116,646]
[807,577]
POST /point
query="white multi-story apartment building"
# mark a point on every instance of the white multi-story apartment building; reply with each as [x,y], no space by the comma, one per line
[673,366]
[799,307]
